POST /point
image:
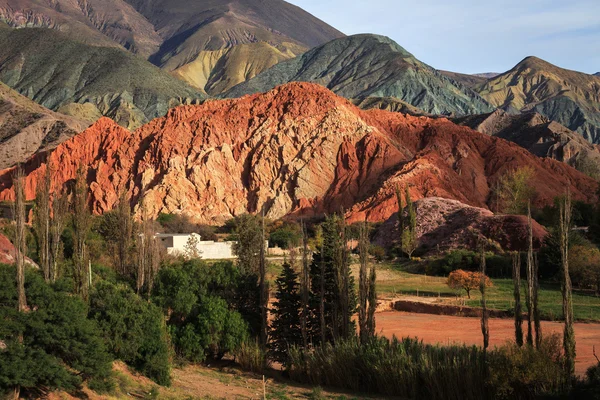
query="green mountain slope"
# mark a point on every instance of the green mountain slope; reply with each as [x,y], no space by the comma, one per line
[211,44]
[568,97]
[364,66]
[55,71]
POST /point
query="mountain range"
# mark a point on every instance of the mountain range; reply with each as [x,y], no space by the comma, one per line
[206,114]
[211,44]
[296,150]
[362,66]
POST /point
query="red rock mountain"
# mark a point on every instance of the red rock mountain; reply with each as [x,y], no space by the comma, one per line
[298,149]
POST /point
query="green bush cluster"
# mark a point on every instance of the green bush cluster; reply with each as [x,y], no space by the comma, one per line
[497,265]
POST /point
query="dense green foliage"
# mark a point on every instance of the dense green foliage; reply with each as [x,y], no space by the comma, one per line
[54,345]
[497,265]
[285,325]
[200,301]
[134,330]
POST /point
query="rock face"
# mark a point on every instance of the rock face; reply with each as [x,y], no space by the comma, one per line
[568,97]
[363,66]
[55,71]
[296,150]
[444,224]
[27,128]
[211,44]
[539,135]
[8,254]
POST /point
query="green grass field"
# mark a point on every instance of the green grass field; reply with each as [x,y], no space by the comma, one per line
[394,280]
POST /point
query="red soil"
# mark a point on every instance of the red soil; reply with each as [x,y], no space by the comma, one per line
[448,329]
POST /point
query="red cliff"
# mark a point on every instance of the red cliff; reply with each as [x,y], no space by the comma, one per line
[298,149]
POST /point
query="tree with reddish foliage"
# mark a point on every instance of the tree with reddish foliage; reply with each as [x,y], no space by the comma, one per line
[467,281]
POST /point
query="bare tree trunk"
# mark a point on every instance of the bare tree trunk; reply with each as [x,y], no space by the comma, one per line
[564,227]
[20,244]
[485,329]
[304,277]
[516,273]
[60,207]
[529,278]
[363,287]
[41,222]
[536,311]
[81,228]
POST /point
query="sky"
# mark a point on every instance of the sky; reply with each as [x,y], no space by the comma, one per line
[474,36]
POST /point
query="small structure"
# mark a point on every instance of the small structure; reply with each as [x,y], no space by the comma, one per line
[175,244]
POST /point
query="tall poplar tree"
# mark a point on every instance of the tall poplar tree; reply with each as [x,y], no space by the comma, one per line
[564,228]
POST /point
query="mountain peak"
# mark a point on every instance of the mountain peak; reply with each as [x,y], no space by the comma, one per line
[597,74]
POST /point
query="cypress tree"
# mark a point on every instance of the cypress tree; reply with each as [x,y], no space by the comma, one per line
[19,240]
[409,235]
[529,266]
[516,274]
[485,329]
[400,218]
[363,285]
[564,227]
[372,302]
[326,287]
[305,288]
[536,310]
[286,329]
[81,227]
[41,222]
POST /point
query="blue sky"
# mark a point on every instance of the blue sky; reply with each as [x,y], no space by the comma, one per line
[473,36]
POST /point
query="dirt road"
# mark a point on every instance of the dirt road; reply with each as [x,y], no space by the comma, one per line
[448,329]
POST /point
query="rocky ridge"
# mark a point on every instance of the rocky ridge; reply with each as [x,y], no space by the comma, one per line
[296,150]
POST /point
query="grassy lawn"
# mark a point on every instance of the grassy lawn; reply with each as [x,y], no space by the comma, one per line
[394,280]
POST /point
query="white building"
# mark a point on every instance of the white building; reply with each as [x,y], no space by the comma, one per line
[175,244]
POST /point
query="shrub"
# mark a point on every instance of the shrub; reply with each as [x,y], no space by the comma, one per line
[134,330]
[285,236]
[377,252]
[251,357]
[211,331]
[54,346]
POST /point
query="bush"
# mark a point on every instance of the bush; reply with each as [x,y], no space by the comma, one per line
[285,236]
[251,357]
[377,252]
[410,369]
[134,330]
[526,372]
[54,346]
[211,331]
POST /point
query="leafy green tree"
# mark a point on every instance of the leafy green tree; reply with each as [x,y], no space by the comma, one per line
[134,330]
[210,331]
[285,236]
[409,234]
[55,345]
[514,191]
[249,241]
[285,328]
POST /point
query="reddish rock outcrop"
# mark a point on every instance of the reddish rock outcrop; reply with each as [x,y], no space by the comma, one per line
[296,150]
[444,224]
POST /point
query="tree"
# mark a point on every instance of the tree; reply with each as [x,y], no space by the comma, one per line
[81,221]
[584,266]
[54,346]
[134,330]
[60,207]
[483,283]
[372,302]
[514,190]
[332,313]
[286,325]
[148,251]
[264,290]
[124,234]
[409,235]
[530,278]
[400,217]
[304,287]
[249,241]
[191,247]
[20,245]
[564,226]
[41,222]
[364,286]
[467,281]
[516,274]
